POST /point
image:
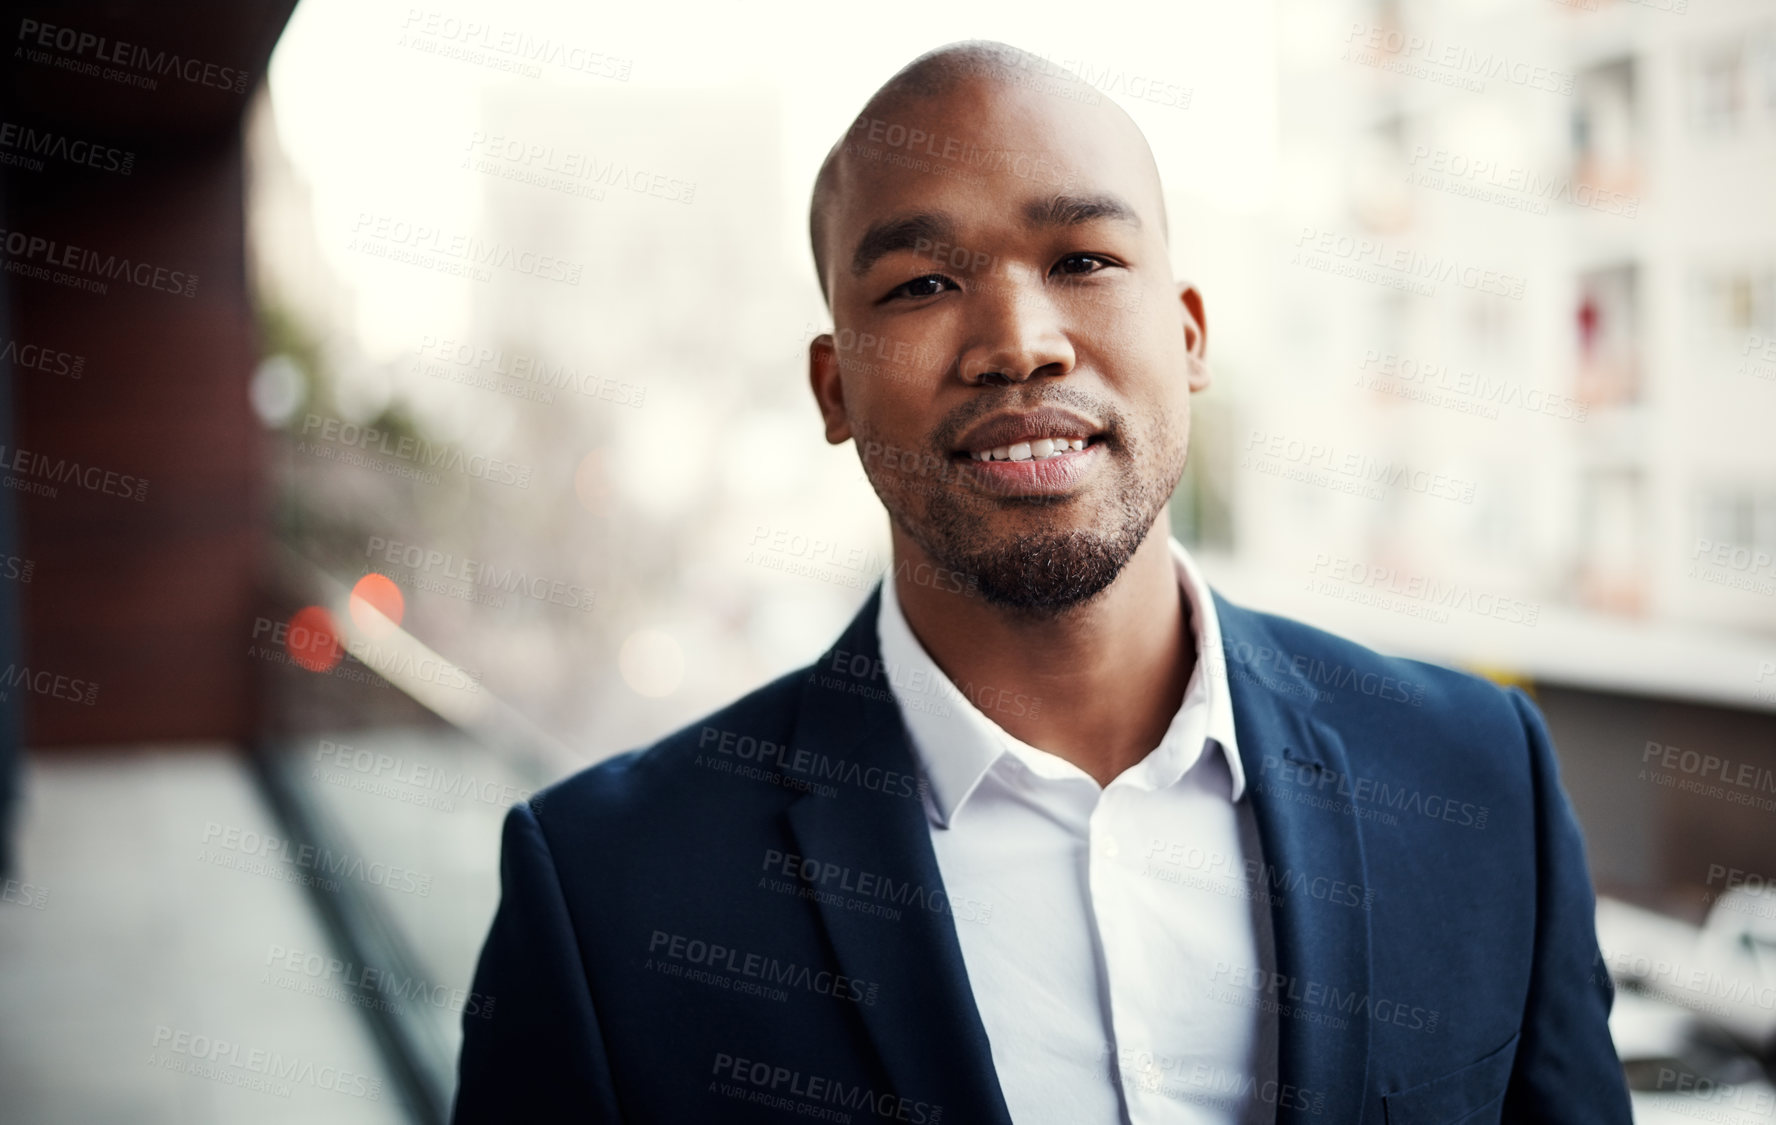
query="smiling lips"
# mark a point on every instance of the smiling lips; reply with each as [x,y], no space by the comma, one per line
[1040,449]
[1041,434]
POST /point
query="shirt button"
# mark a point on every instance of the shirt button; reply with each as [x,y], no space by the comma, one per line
[1109,848]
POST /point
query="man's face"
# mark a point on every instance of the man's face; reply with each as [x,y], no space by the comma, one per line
[1010,354]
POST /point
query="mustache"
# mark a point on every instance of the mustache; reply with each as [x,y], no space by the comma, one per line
[948,432]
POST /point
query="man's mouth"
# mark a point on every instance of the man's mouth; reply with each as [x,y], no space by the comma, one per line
[1051,466]
[1038,449]
[1046,433]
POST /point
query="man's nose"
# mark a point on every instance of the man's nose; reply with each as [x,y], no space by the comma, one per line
[1015,332]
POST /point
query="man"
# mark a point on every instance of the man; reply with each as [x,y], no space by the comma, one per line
[1053,833]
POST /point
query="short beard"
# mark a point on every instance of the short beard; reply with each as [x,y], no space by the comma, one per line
[1052,571]
[1051,574]
[1047,573]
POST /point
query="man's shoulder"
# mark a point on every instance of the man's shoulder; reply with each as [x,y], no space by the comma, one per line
[719,763]
[1343,681]
[1420,743]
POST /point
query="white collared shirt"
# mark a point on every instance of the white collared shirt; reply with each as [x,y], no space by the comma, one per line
[1107,932]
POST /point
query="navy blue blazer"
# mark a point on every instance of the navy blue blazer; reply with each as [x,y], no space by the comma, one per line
[745,922]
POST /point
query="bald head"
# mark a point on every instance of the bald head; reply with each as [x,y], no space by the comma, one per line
[898,128]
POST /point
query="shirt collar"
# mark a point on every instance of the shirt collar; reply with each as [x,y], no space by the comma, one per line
[957,743]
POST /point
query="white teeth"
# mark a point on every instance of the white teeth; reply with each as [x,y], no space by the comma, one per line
[1040,449]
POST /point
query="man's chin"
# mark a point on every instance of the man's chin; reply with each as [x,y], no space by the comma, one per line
[1048,573]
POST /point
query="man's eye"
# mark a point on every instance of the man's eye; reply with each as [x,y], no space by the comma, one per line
[928,286]
[1081,264]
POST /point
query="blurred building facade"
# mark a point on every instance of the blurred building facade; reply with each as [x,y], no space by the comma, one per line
[1519,415]
[1519,392]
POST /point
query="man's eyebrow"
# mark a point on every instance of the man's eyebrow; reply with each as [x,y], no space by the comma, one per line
[907,232]
[1071,210]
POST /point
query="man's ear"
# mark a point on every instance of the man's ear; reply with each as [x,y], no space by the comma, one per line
[829,391]
[1196,335]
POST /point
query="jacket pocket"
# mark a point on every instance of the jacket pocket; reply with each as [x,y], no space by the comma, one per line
[1457,1095]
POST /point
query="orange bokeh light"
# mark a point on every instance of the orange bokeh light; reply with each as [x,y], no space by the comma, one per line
[376,592]
[312,641]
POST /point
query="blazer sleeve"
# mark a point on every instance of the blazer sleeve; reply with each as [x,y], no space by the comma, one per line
[533,1052]
[1566,1068]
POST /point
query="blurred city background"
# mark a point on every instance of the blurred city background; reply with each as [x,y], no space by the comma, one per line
[446,429]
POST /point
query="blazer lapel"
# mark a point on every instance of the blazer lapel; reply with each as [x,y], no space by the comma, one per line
[923,1022]
[1292,759]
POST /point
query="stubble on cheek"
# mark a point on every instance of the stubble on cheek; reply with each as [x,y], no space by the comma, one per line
[904,479]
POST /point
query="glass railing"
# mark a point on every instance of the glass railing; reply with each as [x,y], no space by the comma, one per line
[391,770]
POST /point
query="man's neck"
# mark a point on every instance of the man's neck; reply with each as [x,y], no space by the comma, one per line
[1100,684]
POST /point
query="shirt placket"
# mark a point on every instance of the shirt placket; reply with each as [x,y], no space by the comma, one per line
[1121,968]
